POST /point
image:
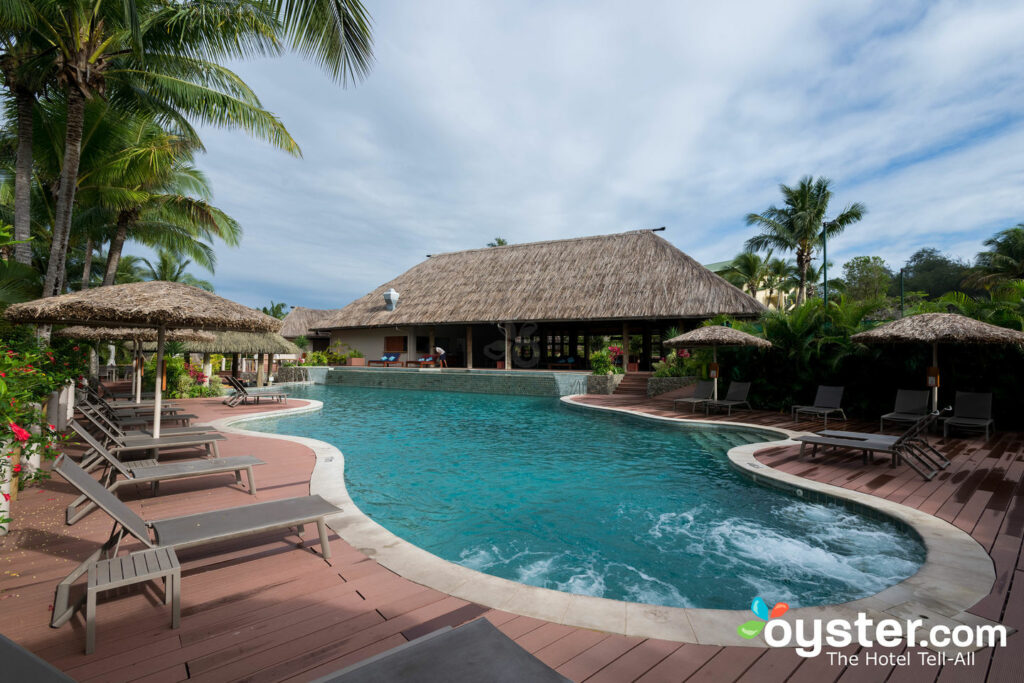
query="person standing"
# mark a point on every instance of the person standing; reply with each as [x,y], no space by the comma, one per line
[442,357]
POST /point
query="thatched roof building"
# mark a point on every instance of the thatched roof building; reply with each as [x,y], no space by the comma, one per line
[244,343]
[540,304]
[302,322]
[633,275]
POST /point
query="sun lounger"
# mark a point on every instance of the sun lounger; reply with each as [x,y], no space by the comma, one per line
[701,394]
[242,396]
[911,406]
[736,397]
[911,447]
[112,429]
[152,472]
[136,418]
[476,651]
[118,444]
[826,402]
[182,532]
[387,360]
[21,666]
[422,362]
[971,411]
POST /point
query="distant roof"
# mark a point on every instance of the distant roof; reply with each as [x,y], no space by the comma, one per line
[719,266]
[300,321]
[623,276]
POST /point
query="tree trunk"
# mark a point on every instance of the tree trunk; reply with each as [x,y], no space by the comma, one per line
[66,192]
[23,178]
[87,264]
[803,261]
[114,253]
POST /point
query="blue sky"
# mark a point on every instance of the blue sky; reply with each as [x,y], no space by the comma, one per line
[544,120]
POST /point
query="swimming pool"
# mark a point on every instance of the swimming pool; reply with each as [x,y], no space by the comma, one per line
[592,503]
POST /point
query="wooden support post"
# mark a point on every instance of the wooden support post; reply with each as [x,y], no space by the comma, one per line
[234,365]
[469,346]
[508,347]
[625,347]
[260,376]
[207,369]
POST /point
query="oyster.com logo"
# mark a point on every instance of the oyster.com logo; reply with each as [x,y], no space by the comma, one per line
[759,607]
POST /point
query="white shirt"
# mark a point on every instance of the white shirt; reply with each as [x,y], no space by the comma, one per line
[439,351]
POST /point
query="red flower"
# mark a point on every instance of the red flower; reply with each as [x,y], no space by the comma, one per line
[74,348]
[16,469]
[3,374]
[19,433]
[53,428]
[7,496]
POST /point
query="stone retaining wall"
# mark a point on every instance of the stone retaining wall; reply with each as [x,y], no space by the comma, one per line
[661,385]
[603,384]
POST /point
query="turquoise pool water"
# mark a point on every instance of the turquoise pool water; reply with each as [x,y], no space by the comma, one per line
[594,503]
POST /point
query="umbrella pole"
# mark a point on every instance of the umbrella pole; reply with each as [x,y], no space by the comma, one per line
[714,361]
[137,375]
[935,364]
[158,389]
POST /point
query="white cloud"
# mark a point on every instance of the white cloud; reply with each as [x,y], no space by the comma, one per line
[541,120]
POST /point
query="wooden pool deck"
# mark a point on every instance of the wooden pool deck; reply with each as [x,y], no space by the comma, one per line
[265,610]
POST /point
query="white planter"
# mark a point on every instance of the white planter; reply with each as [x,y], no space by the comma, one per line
[53,408]
[5,490]
[67,405]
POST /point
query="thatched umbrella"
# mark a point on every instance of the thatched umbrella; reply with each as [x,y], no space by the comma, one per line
[935,329]
[157,304]
[136,335]
[246,343]
[715,336]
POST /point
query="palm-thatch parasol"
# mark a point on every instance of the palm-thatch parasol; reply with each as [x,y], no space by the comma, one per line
[715,336]
[935,329]
[157,304]
[136,335]
[244,343]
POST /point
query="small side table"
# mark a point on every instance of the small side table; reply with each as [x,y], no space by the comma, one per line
[145,565]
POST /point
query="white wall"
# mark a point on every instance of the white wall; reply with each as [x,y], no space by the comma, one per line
[371,341]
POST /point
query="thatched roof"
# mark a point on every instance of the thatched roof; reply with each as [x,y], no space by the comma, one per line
[301,322]
[144,304]
[625,276]
[716,335]
[245,343]
[941,328]
[140,334]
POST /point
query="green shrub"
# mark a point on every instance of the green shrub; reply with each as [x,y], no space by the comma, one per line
[601,363]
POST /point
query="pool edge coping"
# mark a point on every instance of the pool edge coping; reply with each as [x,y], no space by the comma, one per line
[939,590]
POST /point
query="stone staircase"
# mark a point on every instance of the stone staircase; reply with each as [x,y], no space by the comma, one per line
[633,384]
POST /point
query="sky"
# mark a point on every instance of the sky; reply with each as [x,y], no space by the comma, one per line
[547,120]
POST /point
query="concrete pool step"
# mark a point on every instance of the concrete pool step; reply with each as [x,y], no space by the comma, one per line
[633,384]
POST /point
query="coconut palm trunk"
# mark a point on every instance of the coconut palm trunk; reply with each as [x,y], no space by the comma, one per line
[803,259]
[66,192]
[23,178]
[87,263]
[116,245]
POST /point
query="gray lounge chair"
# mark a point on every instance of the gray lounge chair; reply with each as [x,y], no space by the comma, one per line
[152,472]
[911,447]
[130,418]
[701,394]
[476,651]
[734,398]
[826,402]
[242,395]
[21,666]
[112,429]
[118,444]
[182,532]
[911,406]
[971,411]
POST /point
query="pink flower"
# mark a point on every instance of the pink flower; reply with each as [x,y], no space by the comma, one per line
[7,496]
[53,428]
[16,469]
[19,433]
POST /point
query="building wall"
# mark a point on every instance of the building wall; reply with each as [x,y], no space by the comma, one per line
[371,341]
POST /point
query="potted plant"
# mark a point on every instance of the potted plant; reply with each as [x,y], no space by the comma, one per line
[356,358]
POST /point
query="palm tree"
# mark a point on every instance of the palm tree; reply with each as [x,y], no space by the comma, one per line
[802,224]
[748,271]
[276,310]
[27,68]
[169,267]
[153,56]
[498,242]
[781,277]
[1004,260]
